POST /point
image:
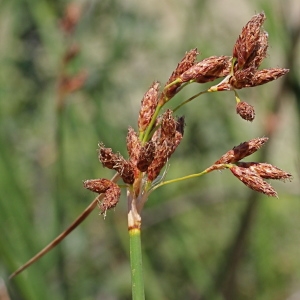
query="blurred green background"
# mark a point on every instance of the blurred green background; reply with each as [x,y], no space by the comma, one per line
[206,238]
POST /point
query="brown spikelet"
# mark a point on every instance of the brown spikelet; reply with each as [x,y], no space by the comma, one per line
[97,185]
[148,106]
[245,110]
[187,62]
[106,156]
[160,159]
[267,75]
[125,169]
[208,69]
[110,189]
[133,145]
[166,144]
[266,171]
[248,41]
[117,162]
[241,151]
[168,124]
[252,180]
[146,156]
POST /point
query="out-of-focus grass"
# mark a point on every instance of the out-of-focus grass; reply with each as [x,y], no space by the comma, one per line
[188,227]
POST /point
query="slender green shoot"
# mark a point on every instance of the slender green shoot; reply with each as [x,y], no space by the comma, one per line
[137,279]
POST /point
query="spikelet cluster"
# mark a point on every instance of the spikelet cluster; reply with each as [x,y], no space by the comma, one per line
[159,133]
[252,174]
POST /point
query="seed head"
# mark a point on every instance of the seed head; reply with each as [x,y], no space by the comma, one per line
[252,180]
[107,157]
[266,171]
[110,189]
[133,145]
[267,75]
[208,69]
[148,106]
[171,133]
[146,156]
[187,62]
[117,162]
[249,41]
[241,151]
[168,125]
[245,110]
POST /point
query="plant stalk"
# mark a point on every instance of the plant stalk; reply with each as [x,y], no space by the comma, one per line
[137,280]
[134,230]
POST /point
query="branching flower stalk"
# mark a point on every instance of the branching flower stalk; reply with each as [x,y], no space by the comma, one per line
[159,133]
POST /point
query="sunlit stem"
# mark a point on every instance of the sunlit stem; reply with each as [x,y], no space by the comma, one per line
[134,230]
[190,99]
[237,98]
[144,136]
[206,171]
[178,80]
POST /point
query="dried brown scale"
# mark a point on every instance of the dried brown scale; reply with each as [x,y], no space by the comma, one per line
[187,62]
[148,106]
[133,145]
[107,157]
[168,124]
[125,169]
[265,170]
[248,40]
[97,185]
[180,125]
[146,156]
[245,110]
[161,156]
[177,140]
[261,50]
[208,69]
[111,198]
[252,180]
[241,151]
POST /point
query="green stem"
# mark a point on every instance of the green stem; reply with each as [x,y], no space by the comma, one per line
[206,171]
[137,279]
[190,99]
[145,135]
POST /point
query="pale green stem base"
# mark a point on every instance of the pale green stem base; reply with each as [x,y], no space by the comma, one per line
[137,279]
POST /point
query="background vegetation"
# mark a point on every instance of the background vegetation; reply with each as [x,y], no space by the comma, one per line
[207,238]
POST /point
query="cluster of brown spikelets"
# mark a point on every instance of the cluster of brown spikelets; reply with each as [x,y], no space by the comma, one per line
[159,135]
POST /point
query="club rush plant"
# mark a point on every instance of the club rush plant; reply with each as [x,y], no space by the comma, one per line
[159,133]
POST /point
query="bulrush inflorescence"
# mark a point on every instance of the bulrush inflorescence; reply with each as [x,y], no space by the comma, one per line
[159,133]
[158,136]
